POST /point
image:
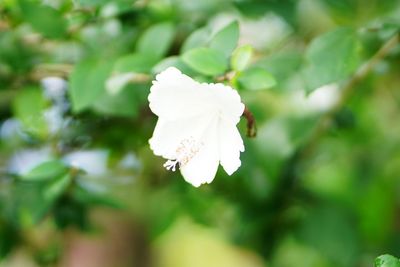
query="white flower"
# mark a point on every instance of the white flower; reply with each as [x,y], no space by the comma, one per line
[196,128]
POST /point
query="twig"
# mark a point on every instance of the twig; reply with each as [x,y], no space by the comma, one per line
[347,90]
[45,70]
[225,77]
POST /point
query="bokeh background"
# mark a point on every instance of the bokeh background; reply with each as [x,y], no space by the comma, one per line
[319,185]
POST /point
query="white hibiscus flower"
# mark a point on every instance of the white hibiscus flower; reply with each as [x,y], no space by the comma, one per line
[196,128]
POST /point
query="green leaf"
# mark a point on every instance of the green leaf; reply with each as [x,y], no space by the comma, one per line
[69,211]
[198,38]
[331,57]
[47,170]
[44,19]
[206,61]
[119,81]
[89,198]
[57,188]
[88,83]
[387,261]
[134,63]
[256,79]
[173,61]
[156,40]
[241,57]
[330,230]
[281,65]
[343,11]
[9,238]
[27,204]
[124,103]
[90,3]
[29,105]
[226,39]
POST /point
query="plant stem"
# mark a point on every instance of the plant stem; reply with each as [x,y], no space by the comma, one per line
[347,90]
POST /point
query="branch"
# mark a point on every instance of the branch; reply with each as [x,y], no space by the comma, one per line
[45,70]
[347,90]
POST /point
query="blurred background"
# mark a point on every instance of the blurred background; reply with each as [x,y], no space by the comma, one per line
[319,185]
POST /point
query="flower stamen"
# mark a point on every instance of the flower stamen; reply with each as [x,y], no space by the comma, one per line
[186,150]
[171,164]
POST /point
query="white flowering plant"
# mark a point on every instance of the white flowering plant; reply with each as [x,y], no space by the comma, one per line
[180,133]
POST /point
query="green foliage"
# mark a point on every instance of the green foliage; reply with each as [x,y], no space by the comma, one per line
[70,212]
[256,79]
[88,83]
[387,261]
[29,106]
[331,57]
[328,230]
[134,63]
[207,61]
[43,19]
[45,171]
[155,42]
[241,57]
[197,38]
[28,205]
[91,3]
[56,188]
[226,39]
[9,239]
[173,61]
[206,55]
[123,104]
[282,66]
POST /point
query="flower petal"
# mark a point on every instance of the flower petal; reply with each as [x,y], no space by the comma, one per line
[230,146]
[228,101]
[168,134]
[203,167]
[175,95]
